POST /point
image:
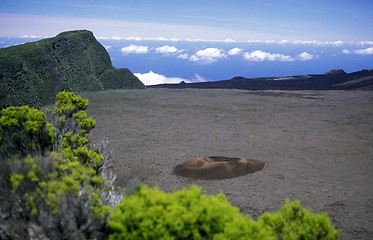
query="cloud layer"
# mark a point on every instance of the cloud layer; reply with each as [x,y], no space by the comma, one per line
[282,42]
[152,78]
[365,51]
[212,54]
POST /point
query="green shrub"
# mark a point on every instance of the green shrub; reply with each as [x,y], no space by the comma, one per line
[72,130]
[24,130]
[184,214]
[69,103]
[59,191]
[189,214]
[295,222]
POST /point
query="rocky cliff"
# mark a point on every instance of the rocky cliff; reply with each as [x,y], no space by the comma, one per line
[33,73]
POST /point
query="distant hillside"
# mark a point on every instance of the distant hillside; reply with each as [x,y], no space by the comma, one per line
[32,73]
[332,80]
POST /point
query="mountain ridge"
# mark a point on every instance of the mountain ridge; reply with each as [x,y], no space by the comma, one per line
[332,80]
[34,72]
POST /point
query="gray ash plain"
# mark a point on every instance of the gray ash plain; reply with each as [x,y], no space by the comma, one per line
[317,145]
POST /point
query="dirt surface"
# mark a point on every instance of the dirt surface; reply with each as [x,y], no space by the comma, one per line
[317,146]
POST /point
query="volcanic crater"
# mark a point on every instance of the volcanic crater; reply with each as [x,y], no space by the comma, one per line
[217,167]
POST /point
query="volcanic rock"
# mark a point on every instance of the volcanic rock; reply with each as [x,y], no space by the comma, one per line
[331,80]
[336,72]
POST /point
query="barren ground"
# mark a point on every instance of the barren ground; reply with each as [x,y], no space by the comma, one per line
[317,146]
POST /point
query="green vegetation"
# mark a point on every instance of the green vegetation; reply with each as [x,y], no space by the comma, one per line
[23,131]
[294,222]
[50,176]
[33,73]
[189,214]
[51,186]
[185,214]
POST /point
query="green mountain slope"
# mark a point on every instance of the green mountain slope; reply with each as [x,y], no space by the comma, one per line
[33,73]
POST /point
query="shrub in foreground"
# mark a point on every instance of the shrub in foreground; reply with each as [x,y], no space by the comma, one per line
[184,214]
[50,177]
[295,222]
[189,214]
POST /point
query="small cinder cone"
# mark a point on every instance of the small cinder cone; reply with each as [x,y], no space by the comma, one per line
[217,167]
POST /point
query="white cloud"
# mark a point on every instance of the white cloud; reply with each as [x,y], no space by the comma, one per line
[366,43]
[133,38]
[337,43]
[305,56]
[167,50]
[228,40]
[283,42]
[365,51]
[30,36]
[260,56]
[152,78]
[208,55]
[334,43]
[173,39]
[142,39]
[261,41]
[235,51]
[134,49]
[306,42]
[314,42]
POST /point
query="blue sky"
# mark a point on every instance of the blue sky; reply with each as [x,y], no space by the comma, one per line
[321,20]
[172,40]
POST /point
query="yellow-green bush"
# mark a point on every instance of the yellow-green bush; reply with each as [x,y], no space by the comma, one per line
[184,214]
[50,175]
[295,222]
[72,130]
[189,214]
[24,130]
[69,103]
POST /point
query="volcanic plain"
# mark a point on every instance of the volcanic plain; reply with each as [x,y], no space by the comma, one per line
[317,146]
